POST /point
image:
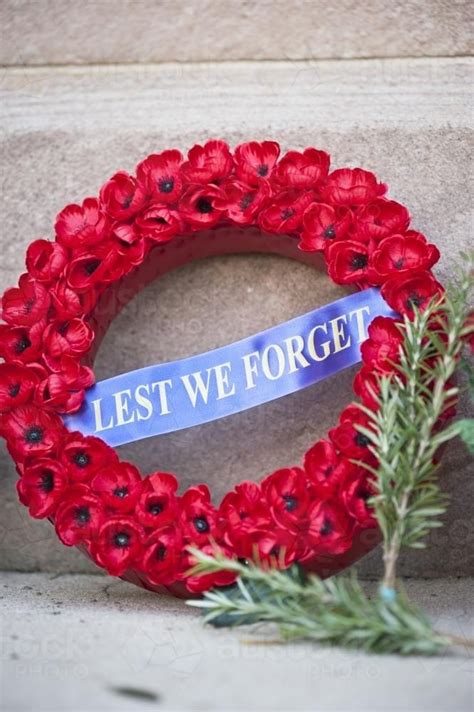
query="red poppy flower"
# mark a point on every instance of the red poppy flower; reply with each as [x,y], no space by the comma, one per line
[303,170]
[382,349]
[330,529]
[286,492]
[198,516]
[209,163]
[17,385]
[118,486]
[77,226]
[79,516]
[41,487]
[325,469]
[242,511]
[366,385]
[401,254]
[69,338]
[65,390]
[125,232]
[83,456]
[45,260]
[275,546]
[68,303]
[243,202]
[118,544]
[322,225]
[160,176]
[122,196]
[358,490]
[31,431]
[158,504]
[285,212]
[199,206]
[23,344]
[352,186]
[347,439]
[348,262]
[162,556]
[26,304]
[255,160]
[403,293]
[159,223]
[118,257]
[381,218]
[110,261]
[204,582]
[85,272]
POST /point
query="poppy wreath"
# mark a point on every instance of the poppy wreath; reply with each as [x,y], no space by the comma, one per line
[105,250]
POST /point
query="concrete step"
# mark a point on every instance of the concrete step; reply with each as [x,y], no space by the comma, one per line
[55,32]
[73,643]
[65,130]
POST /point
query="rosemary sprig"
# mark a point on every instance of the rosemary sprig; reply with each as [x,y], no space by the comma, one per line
[405,432]
[405,435]
[335,611]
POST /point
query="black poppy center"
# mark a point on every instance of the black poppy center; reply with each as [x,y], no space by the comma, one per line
[361,440]
[121,492]
[81,459]
[359,262]
[47,481]
[290,502]
[287,213]
[398,264]
[166,185]
[90,267]
[414,300]
[160,220]
[329,232]
[326,527]
[201,524]
[127,201]
[22,344]
[247,200]
[122,540]
[34,434]
[161,552]
[155,508]
[262,170]
[14,390]
[82,515]
[204,205]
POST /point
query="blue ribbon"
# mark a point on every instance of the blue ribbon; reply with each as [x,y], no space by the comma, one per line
[286,358]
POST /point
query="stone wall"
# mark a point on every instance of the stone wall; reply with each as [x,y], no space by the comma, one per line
[65,129]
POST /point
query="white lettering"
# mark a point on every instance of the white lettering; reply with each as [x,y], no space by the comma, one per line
[278,351]
[294,347]
[222,381]
[326,345]
[359,314]
[338,333]
[199,387]
[98,417]
[162,395]
[121,407]
[250,369]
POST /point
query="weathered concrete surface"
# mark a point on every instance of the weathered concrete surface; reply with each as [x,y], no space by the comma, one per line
[65,131]
[71,643]
[58,32]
